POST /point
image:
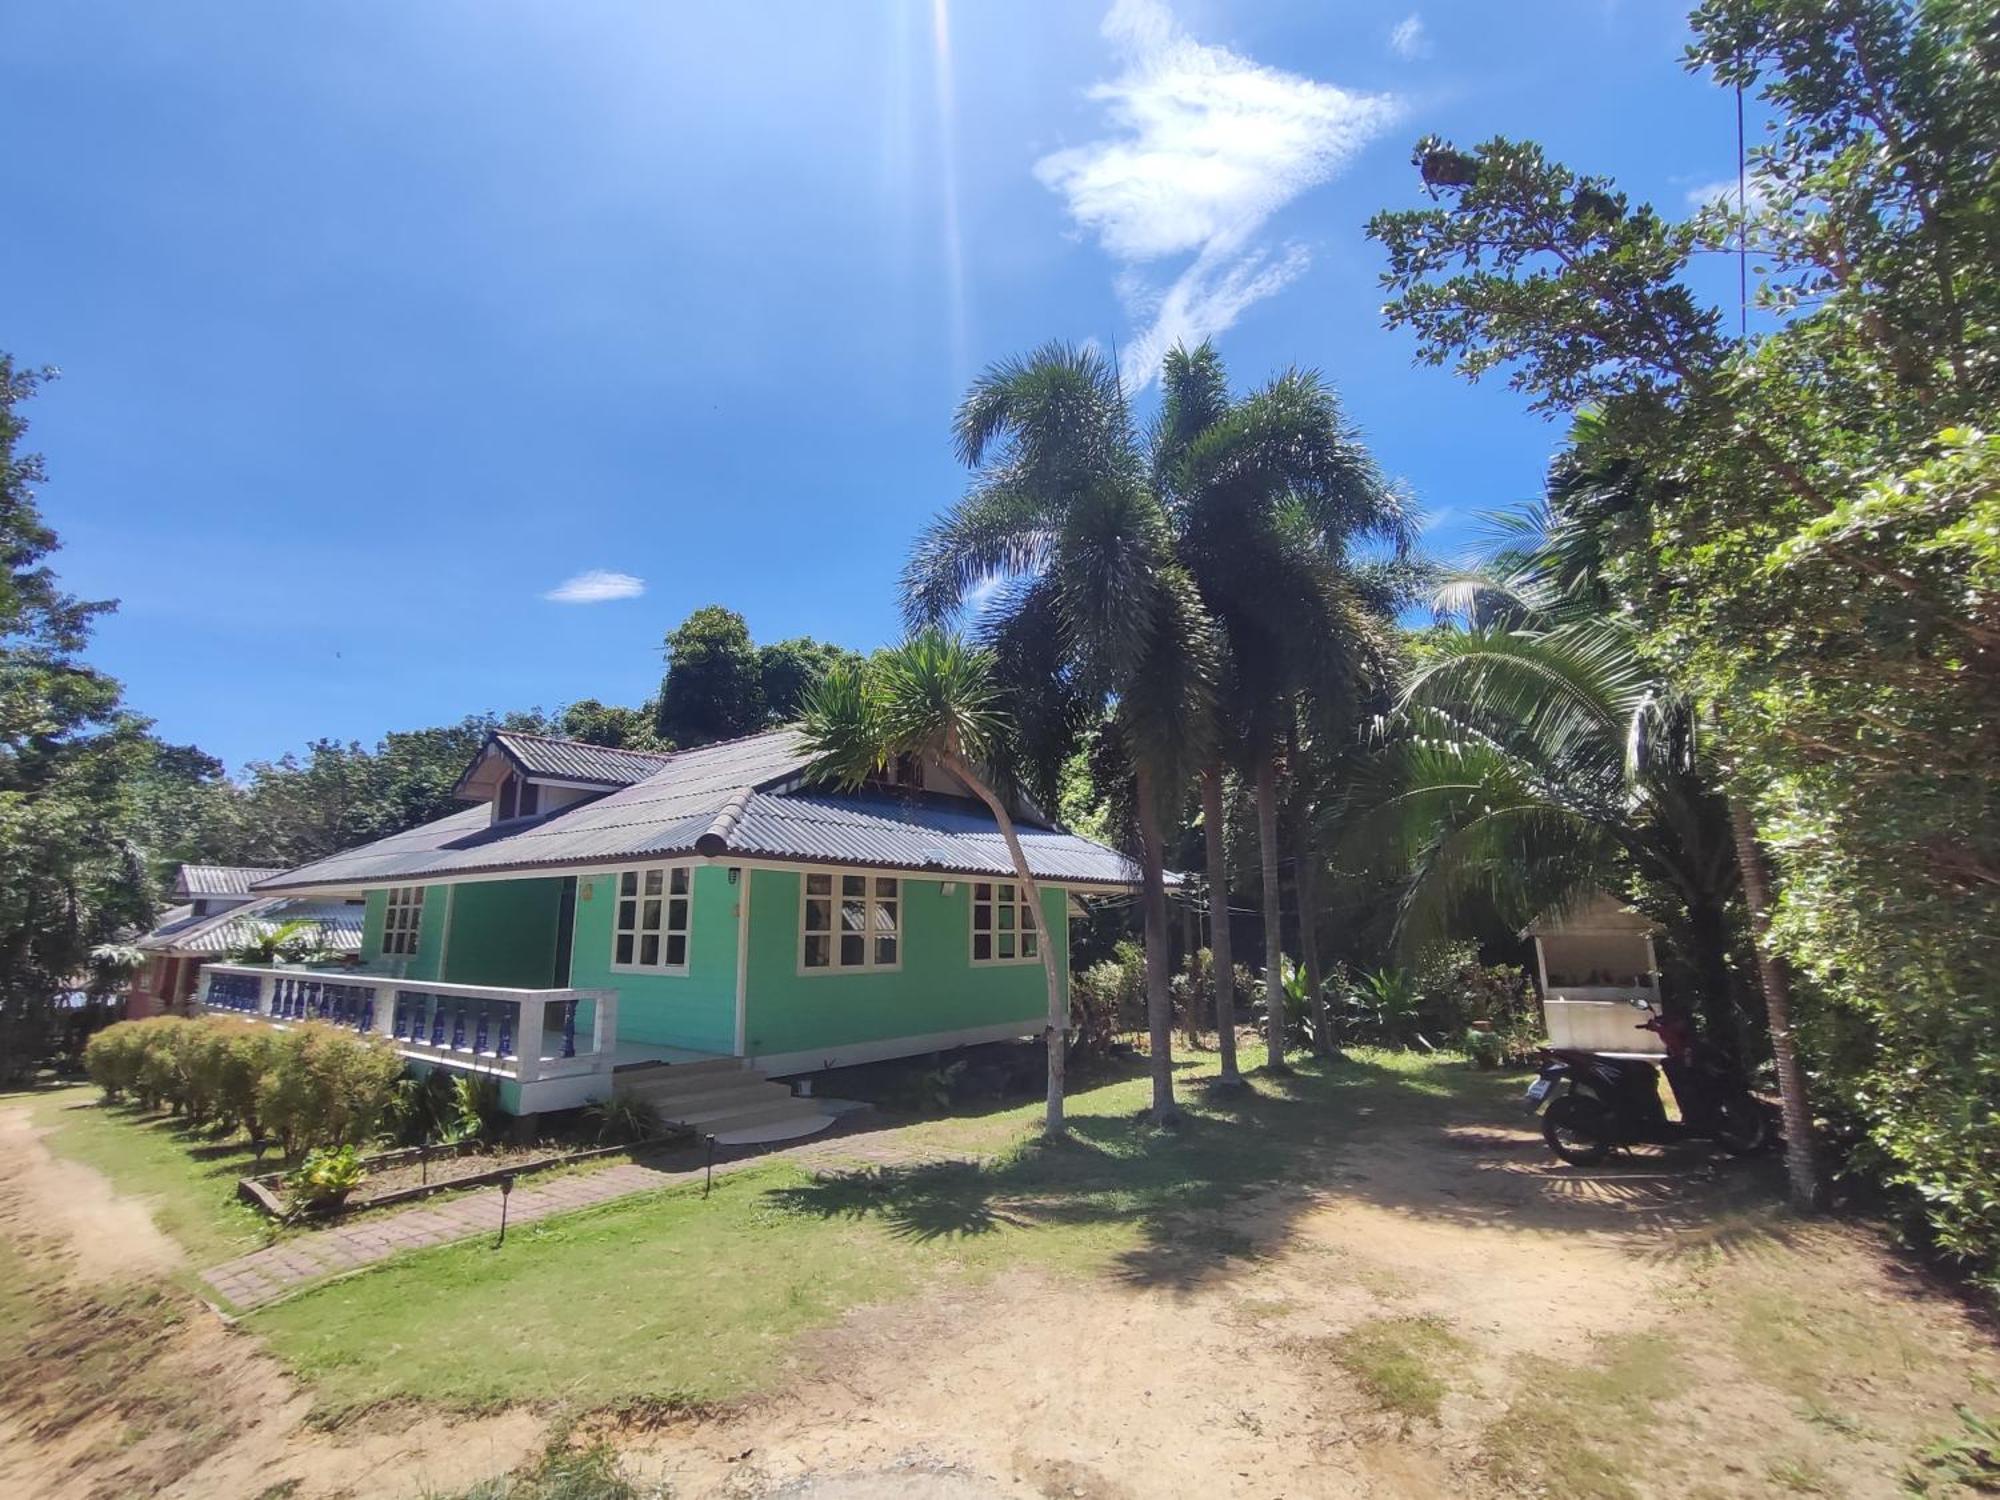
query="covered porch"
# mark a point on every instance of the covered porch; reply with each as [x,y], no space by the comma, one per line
[550,1048]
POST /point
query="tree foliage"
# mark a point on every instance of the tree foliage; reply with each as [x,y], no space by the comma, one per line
[1807,531]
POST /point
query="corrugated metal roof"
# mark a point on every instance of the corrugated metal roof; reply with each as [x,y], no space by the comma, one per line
[571,760]
[180,931]
[738,797]
[218,880]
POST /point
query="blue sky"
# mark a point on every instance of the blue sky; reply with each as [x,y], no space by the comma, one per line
[379,323]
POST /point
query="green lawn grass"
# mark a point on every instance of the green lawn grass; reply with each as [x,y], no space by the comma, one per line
[184,1177]
[669,1297]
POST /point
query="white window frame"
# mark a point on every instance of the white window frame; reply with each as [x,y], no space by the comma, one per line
[1026,920]
[638,931]
[406,902]
[836,897]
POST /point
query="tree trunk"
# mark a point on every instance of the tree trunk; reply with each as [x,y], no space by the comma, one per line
[1801,1159]
[1308,888]
[1223,961]
[1274,942]
[1159,998]
[1057,1031]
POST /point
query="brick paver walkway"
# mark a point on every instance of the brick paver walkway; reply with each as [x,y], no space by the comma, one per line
[278,1270]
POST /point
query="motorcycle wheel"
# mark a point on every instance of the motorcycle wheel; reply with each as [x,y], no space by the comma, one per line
[1740,1126]
[1578,1130]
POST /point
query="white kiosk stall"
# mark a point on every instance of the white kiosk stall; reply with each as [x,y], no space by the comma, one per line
[1594,960]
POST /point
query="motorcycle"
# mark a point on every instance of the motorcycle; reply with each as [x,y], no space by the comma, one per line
[1599,1102]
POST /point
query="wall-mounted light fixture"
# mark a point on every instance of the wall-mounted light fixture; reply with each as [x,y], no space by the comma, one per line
[950,887]
[735,871]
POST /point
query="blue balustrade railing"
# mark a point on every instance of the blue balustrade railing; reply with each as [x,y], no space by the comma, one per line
[232,992]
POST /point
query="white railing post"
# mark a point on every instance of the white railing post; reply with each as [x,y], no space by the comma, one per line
[267,985]
[528,1039]
[604,1028]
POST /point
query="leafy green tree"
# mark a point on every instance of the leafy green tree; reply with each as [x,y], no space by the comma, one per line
[1062,516]
[1808,542]
[934,697]
[714,687]
[71,875]
[788,670]
[596,723]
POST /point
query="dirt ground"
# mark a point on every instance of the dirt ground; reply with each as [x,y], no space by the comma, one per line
[1653,1328]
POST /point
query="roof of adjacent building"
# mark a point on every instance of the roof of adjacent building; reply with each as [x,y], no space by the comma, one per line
[572,760]
[180,930]
[219,880]
[741,798]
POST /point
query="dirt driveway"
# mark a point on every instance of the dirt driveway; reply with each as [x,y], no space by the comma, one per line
[1433,1309]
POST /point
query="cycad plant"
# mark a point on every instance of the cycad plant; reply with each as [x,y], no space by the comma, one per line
[935,698]
[1061,516]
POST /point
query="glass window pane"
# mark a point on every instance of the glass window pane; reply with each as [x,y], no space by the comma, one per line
[819,885]
[628,883]
[885,886]
[1006,914]
[628,915]
[677,951]
[885,916]
[655,882]
[819,916]
[650,916]
[853,885]
[624,949]
[853,914]
[885,950]
[982,918]
[649,950]
[982,945]
[853,950]
[1006,945]
[678,883]
[982,891]
[816,952]
[1028,949]
[677,915]
[1007,893]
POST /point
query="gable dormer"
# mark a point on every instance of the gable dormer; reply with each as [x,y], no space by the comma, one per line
[522,776]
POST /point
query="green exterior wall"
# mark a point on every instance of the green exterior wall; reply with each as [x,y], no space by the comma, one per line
[423,964]
[503,932]
[937,989]
[695,1010]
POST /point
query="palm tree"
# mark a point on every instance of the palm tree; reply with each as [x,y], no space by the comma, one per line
[1538,753]
[1267,496]
[935,698]
[1061,513]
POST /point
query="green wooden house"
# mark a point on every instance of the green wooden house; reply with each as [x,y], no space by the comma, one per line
[689,926]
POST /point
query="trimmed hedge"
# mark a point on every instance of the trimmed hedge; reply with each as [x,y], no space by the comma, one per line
[311,1086]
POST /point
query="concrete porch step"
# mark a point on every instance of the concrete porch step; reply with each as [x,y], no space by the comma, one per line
[682,1106]
[629,1074]
[728,1118]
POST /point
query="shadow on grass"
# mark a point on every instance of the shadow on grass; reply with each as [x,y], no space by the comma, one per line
[1434,1140]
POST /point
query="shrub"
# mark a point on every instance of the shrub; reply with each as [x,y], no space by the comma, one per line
[1487,1049]
[476,1101]
[425,1108]
[326,1177]
[113,1057]
[160,1080]
[618,1120]
[246,1058]
[326,1087]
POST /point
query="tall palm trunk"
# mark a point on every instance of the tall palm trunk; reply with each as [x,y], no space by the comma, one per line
[1274,941]
[1159,997]
[1801,1160]
[1308,887]
[1057,1035]
[1222,961]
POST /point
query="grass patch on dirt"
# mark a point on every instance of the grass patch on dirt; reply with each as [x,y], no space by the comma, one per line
[673,1297]
[1578,1430]
[1401,1362]
[187,1180]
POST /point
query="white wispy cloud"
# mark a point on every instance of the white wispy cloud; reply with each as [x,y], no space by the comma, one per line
[1205,145]
[1409,40]
[596,586]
